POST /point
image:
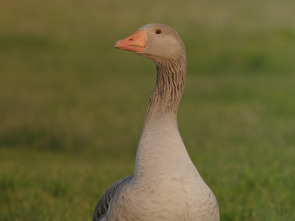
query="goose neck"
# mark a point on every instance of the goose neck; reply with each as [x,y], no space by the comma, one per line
[166,97]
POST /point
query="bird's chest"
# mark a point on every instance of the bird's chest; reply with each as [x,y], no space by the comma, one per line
[167,200]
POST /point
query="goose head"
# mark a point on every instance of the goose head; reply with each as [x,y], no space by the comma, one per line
[155,41]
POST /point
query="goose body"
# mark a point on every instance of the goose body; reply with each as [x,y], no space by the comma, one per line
[166,185]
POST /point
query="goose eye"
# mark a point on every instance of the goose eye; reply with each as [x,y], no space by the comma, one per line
[158,31]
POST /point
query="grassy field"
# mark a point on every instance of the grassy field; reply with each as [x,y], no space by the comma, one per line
[72,107]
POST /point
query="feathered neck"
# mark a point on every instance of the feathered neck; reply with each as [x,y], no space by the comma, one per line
[155,152]
[169,88]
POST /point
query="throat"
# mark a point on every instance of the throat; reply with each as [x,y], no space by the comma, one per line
[166,97]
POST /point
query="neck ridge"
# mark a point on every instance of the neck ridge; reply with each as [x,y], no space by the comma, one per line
[169,88]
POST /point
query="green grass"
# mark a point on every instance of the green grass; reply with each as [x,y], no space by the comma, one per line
[71,106]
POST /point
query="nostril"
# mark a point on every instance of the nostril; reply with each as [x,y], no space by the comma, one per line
[131,39]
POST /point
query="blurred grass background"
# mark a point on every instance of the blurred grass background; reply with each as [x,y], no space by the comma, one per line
[72,107]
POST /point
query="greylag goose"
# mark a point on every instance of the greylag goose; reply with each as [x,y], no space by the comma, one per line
[166,185]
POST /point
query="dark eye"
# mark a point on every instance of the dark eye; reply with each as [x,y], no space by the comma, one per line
[158,31]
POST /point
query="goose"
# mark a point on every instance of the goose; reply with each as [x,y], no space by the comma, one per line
[165,186]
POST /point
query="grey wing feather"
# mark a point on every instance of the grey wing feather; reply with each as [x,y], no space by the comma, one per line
[103,203]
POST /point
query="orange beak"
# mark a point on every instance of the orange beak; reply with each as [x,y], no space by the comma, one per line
[135,42]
